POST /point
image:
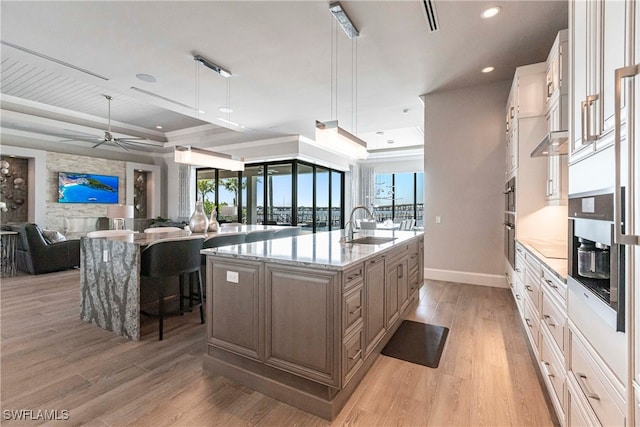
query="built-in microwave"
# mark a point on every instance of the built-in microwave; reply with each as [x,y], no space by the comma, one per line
[510,195]
[596,262]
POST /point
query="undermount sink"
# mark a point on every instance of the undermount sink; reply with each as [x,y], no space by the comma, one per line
[371,240]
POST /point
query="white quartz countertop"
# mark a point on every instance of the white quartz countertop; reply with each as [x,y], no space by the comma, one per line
[143,239]
[320,250]
[553,254]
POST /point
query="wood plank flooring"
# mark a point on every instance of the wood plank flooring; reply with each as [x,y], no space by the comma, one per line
[51,360]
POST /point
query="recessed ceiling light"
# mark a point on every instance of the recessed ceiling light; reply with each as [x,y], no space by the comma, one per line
[487,69]
[158,127]
[491,12]
[390,141]
[379,133]
[405,111]
[201,112]
[146,78]
[225,109]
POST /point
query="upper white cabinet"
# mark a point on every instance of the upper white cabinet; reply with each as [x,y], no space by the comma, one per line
[557,81]
[527,99]
[597,38]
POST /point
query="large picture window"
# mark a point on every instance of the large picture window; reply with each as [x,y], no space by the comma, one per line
[399,196]
[275,193]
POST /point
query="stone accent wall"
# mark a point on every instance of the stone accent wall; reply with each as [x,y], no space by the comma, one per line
[60,162]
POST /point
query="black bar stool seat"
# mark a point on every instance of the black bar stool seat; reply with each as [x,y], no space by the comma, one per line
[173,257]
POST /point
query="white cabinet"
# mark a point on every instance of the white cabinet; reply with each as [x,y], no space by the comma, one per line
[557,81]
[597,385]
[527,99]
[598,29]
[557,117]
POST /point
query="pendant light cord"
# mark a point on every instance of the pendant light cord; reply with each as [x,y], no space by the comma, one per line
[197,90]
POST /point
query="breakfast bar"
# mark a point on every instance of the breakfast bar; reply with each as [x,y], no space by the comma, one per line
[303,318]
[110,277]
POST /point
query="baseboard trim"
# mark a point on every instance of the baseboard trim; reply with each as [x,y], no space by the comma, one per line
[493,280]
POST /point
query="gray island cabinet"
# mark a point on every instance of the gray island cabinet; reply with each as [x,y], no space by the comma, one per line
[302,319]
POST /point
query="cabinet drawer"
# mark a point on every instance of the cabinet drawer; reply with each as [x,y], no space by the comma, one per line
[532,326]
[599,392]
[413,259]
[352,308]
[553,369]
[352,276]
[520,266]
[352,354]
[554,318]
[414,282]
[532,290]
[579,412]
[533,265]
[555,284]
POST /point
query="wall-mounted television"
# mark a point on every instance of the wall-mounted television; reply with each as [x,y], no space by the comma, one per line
[87,188]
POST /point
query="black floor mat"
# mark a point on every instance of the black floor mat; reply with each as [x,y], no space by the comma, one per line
[416,342]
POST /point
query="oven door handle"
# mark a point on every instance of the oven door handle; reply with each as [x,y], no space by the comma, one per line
[620,237]
[509,226]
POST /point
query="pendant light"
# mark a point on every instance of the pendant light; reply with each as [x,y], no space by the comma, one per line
[328,133]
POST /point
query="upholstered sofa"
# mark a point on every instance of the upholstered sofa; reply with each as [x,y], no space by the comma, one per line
[35,255]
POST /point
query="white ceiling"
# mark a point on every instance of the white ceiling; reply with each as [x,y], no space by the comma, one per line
[280,55]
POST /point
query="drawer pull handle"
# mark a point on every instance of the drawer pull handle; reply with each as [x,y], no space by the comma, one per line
[353,277]
[355,310]
[528,321]
[355,356]
[527,287]
[519,250]
[518,270]
[546,318]
[589,394]
[518,297]
[551,284]
[549,374]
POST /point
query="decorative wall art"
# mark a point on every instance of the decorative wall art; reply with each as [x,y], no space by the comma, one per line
[14,189]
[140,194]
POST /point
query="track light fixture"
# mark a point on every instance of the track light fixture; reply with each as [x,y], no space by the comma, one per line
[343,19]
[218,69]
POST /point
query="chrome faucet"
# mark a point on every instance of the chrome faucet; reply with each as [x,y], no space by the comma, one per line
[350,222]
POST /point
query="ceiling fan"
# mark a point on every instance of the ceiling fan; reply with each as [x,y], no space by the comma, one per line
[108,136]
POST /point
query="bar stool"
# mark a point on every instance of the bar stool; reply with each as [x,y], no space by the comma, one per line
[162,229]
[165,258]
[287,232]
[259,235]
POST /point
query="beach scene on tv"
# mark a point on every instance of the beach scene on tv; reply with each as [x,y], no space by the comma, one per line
[87,188]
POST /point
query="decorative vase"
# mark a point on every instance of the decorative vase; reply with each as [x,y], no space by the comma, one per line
[213,221]
[198,222]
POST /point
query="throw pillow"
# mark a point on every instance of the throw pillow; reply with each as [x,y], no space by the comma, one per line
[53,236]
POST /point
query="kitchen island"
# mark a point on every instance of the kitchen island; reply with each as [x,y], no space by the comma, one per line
[302,319]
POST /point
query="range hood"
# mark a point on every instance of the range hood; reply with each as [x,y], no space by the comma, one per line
[553,144]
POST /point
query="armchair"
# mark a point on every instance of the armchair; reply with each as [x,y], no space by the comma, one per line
[35,256]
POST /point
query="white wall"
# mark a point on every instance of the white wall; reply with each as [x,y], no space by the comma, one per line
[464,164]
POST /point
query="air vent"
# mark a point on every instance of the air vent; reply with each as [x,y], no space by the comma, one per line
[155,95]
[48,58]
[429,11]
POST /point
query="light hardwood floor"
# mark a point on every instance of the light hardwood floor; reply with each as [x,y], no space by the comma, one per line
[51,360]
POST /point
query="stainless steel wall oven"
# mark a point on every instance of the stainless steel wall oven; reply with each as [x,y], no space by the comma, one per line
[596,262]
[510,238]
[510,195]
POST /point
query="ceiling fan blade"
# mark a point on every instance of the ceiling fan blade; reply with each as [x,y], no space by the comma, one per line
[78,139]
[133,139]
[99,143]
[120,145]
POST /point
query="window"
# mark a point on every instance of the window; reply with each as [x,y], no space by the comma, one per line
[399,196]
[279,194]
[284,193]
